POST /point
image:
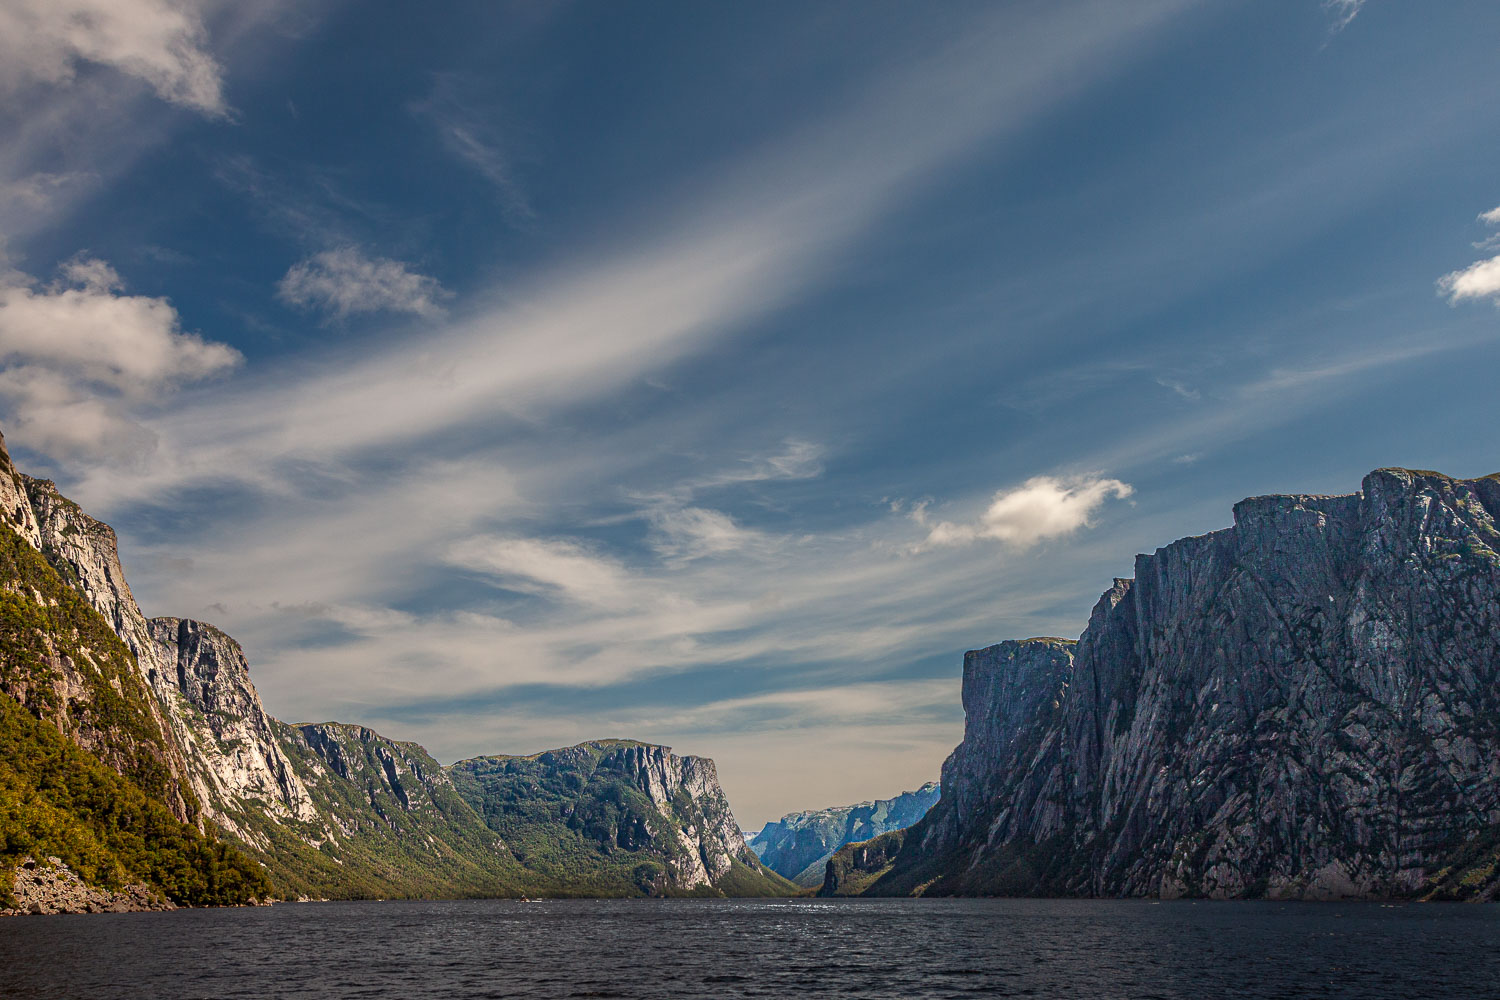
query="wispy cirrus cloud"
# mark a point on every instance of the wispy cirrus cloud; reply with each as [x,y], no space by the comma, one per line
[346,281]
[754,241]
[1343,12]
[474,138]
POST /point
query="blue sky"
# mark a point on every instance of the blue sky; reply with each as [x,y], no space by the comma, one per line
[507,375]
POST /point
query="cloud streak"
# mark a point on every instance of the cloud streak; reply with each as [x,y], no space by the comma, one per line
[1343,12]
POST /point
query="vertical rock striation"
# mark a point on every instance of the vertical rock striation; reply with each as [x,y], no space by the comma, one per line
[1303,705]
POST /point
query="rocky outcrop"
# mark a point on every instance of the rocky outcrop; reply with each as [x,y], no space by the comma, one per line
[798,845]
[49,887]
[15,506]
[1304,705]
[629,817]
[238,763]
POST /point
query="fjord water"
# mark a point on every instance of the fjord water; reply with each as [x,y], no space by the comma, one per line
[898,948]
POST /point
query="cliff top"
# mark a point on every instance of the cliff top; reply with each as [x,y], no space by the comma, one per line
[588,746]
[1430,474]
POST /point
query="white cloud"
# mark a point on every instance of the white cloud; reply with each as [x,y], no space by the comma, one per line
[1043,507]
[1480,280]
[50,413]
[85,325]
[1180,388]
[37,191]
[160,42]
[77,355]
[346,281]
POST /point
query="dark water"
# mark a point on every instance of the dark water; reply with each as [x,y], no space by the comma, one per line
[777,948]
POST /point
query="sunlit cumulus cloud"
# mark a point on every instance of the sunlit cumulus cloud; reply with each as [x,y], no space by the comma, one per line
[158,41]
[77,355]
[345,281]
[1480,280]
[1042,507]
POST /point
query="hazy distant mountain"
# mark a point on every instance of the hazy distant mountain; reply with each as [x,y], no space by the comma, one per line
[799,844]
[1305,705]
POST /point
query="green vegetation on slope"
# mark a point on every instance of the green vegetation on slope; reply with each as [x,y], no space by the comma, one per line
[62,661]
[103,809]
[57,799]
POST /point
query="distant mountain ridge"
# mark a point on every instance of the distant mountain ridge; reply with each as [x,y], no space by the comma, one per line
[326,810]
[798,845]
[1303,705]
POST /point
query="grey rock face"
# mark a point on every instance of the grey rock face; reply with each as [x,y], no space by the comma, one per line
[709,836]
[798,845]
[1303,705]
[231,741]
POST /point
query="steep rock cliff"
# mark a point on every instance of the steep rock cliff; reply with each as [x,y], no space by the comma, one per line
[616,817]
[220,736]
[88,772]
[798,845]
[1303,705]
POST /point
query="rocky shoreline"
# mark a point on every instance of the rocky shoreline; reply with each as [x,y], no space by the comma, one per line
[50,886]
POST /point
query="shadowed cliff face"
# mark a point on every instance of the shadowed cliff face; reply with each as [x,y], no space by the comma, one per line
[1302,705]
